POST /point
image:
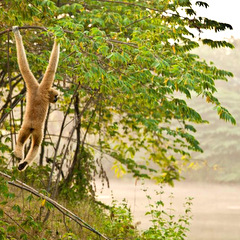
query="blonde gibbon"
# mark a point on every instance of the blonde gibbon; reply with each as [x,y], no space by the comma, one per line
[37,101]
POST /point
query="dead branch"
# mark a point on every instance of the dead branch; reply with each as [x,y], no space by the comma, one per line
[58,206]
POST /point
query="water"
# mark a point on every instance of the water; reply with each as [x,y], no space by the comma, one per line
[216,207]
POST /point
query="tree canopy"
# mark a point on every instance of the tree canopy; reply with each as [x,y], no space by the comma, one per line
[125,73]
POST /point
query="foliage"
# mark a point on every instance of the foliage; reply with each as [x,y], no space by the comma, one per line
[219,162]
[23,211]
[124,74]
[121,224]
[165,225]
[22,216]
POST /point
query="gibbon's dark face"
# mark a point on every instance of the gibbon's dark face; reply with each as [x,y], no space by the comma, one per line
[53,95]
[55,98]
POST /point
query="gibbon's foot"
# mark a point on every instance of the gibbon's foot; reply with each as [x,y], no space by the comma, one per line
[15,29]
[22,166]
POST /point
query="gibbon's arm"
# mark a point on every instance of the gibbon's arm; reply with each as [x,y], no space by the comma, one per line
[52,67]
[27,75]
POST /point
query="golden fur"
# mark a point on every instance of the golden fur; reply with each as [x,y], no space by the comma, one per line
[38,98]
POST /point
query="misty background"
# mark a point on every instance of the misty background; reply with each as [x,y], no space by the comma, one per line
[213,178]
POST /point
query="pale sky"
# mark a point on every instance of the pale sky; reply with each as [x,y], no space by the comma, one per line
[226,11]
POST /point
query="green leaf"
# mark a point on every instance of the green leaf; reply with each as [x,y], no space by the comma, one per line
[217,44]
[16,208]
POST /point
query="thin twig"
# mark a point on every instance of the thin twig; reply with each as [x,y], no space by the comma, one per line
[23,91]
[25,27]
[11,120]
[84,138]
[54,194]
[44,137]
[139,20]
[32,237]
[64,221]
[59,139]
[130,4]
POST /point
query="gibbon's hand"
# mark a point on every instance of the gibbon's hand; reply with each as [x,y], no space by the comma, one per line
[15,29]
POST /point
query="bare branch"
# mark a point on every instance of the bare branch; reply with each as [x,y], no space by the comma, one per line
[58,206]
[59,138]
[25,27]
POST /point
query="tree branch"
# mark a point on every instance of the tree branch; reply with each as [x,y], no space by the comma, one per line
[59,138]
[25,27]
[58,206]
[130,4]
[71,32]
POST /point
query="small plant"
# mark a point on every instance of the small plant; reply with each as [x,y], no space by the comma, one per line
[165,224]
[121,224]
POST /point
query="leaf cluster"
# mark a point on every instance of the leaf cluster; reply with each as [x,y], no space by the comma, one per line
[125,73]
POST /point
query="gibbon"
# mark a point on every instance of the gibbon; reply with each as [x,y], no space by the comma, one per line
[37,101]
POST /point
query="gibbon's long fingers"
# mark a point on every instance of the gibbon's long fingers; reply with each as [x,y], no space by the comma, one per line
[30,80]
[36,141]
[22,137]
[52,67]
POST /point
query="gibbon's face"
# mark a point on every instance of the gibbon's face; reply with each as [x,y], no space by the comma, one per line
[53,95]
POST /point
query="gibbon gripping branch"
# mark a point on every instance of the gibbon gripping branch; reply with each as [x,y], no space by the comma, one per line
[38,98]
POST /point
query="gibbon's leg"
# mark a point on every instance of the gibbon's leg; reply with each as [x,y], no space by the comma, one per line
[52,67]
[22,137]
[30,80]
[36,141]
